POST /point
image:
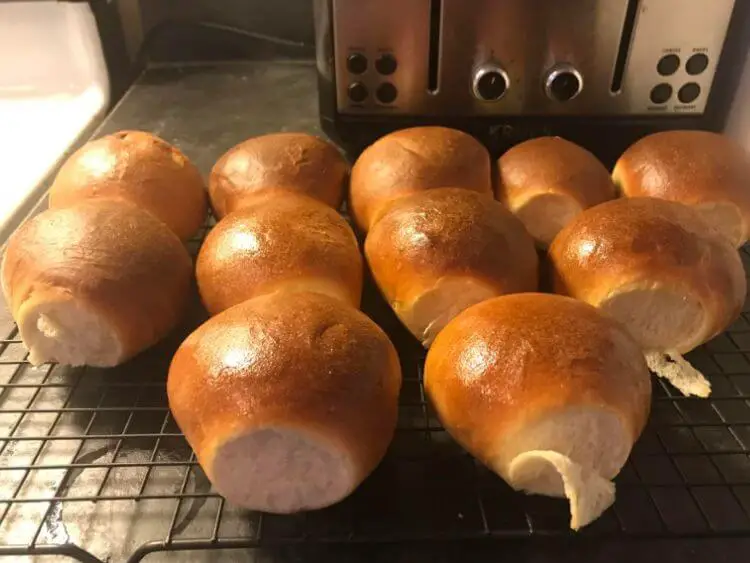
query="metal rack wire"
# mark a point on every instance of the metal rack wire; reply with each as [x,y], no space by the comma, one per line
[92,465]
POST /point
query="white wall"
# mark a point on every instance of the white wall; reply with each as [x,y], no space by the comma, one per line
[53,85]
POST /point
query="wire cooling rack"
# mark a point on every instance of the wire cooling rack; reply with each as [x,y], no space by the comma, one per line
[92,466]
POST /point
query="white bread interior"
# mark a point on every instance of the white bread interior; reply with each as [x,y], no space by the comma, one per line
[426,316]
[679,372]
[545,214]
[726,218]
[282,470]
[587,492]
[574,454]
[666,323]
[659,317]
[66,332]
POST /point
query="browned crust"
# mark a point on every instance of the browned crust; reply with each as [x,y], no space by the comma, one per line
[292,360]
[449,232]
[414,160]
[296,161]
[552,165]
[138,167]
[512,360]
[271,241]
[648,241]
[690,167]
[109,256]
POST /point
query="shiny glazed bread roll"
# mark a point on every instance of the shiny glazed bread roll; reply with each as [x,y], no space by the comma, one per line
[94,283]
[435,253]
[657,267]
[705,170]
[289,242]
[546,392]
[414,160]
[547,181]
[140,168]
[289,400]
[295,161]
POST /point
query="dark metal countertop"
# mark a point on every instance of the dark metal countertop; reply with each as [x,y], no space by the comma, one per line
[206,109]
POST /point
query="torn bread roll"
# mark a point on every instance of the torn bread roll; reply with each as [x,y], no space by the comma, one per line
[289,400]
[140,168]
[295,161]
[546,392]
[414,160]
[705,170]
[658,268]
[548,181]
[435,253]
[290,242]
[94,283]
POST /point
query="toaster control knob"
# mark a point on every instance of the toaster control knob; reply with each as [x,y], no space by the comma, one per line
[563,83]
[490,82]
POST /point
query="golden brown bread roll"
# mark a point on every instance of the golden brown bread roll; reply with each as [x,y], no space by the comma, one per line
[289,400]
[295,161]
[435,253]
[140,168]
[289,242]
[546,392]
[547,181]
[94,283]
[705,170]
[657,267]
[414,160]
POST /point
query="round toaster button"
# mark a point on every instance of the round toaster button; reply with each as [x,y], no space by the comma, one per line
[661,93]
[356,63]
[668,65]
[563,83]
[696,64]
[490,83]
[689,92]
[386,93]
[357,92]
[386,64]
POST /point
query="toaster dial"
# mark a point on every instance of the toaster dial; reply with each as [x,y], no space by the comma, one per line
[490,82]
[563,83]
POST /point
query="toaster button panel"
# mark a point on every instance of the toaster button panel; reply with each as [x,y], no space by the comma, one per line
[486,57]
[395,40]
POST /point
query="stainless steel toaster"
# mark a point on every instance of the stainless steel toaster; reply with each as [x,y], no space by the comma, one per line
[510,69]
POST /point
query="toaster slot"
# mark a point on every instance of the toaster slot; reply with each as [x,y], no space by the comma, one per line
[433,69]
[625,41]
